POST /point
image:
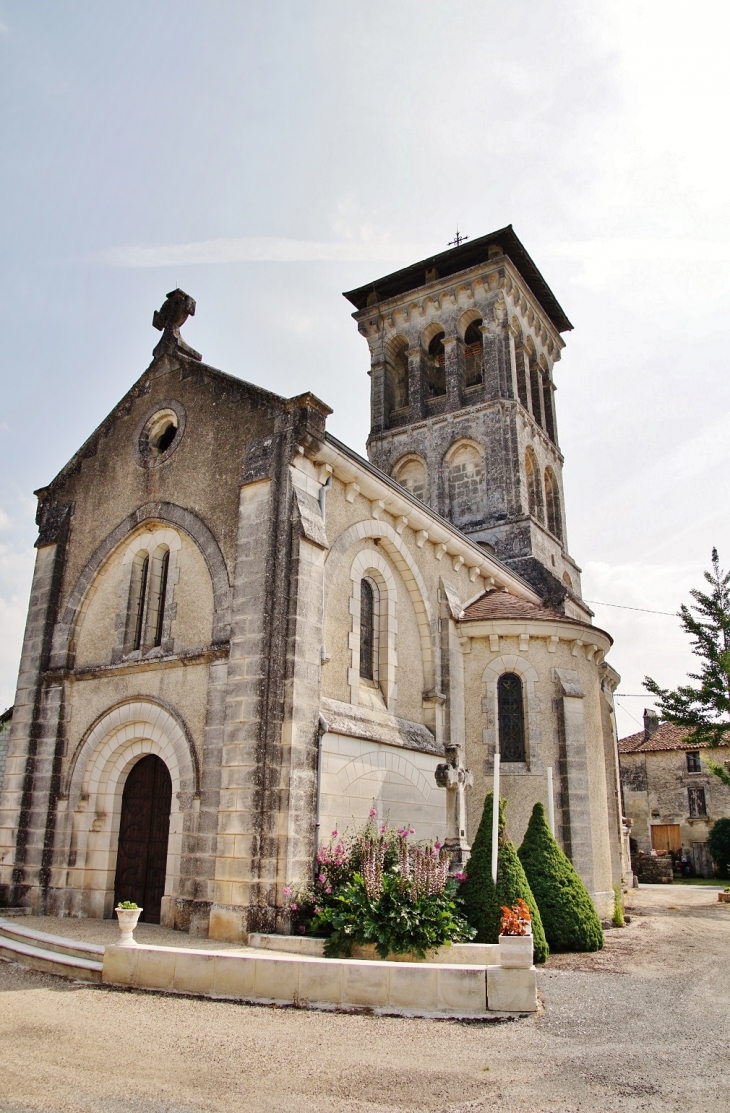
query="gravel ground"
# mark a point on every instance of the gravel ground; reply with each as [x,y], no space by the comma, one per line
[642,1025]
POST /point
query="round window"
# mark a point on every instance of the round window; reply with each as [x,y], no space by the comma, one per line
[160,434]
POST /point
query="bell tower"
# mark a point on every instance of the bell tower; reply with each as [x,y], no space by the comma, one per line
[462,349]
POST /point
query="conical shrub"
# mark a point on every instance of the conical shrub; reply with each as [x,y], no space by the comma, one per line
[481,901]
[568,914]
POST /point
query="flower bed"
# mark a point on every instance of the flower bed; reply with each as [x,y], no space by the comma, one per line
[378,886]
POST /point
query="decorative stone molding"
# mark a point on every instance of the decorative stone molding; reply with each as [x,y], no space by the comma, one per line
[371,564]
[95,783]
[165,513]
[397,551]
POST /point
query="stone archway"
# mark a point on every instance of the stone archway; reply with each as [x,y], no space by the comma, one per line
[99,771]
[144,831]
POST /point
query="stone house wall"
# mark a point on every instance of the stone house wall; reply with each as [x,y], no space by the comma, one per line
[655,791]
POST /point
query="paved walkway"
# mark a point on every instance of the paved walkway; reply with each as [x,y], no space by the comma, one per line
[642,1025]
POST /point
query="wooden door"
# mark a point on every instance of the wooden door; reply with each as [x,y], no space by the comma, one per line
[665,837]
[143,834]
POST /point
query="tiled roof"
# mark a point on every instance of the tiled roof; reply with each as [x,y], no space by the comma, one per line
[499,605]
[667,736]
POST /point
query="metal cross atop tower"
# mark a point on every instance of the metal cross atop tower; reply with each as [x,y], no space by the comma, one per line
[458,239]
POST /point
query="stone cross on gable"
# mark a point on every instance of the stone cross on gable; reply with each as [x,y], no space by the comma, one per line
[169,319]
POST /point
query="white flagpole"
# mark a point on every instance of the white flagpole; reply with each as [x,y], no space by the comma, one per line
[495,820]
[551,802]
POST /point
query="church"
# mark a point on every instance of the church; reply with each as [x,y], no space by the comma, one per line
[243,635]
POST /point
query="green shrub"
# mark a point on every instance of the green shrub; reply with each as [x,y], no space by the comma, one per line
[568,913]
[718,844]
[377,886]
[481,901]
[618,908]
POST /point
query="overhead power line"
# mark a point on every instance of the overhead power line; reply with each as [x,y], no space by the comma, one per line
[621,607]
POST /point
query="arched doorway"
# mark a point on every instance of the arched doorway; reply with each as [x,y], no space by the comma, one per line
[143,834]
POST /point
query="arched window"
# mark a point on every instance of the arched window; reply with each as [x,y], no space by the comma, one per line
[552,504]
[534,490]
[473,354]
[536,393]
[547,399]
[367,630]
[137,593]
[437,366]
[511,718]
[400,379]
[158,591]
[520,362]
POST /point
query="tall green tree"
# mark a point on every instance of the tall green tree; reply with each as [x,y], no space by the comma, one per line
[481,900]
[566,909]
[704,708]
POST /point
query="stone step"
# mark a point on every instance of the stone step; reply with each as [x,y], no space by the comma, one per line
[50,962]
[58,943]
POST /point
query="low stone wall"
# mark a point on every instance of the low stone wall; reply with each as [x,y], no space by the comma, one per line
[430,988]
[655,870]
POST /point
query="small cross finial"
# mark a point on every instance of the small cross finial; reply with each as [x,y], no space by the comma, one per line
[458,239]
[168,320]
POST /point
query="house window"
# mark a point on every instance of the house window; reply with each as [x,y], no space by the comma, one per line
[511,718]
[697,802]
[367,630]
[693,763]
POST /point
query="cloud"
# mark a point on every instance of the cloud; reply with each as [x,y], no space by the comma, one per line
[262,249]
[616,250]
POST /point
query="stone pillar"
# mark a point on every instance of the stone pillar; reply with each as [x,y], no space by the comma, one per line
[453,366]
[575,778]
[379,410]
[416,385]
[453,775]
[300,734]
[240,839]
[191,910]
[29,769]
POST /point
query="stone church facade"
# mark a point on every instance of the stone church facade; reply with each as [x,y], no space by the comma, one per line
[242,634]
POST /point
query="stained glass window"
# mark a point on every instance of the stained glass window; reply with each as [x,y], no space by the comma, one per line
[511,718]
[367,632]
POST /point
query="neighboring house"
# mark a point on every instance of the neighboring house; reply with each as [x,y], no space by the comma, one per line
[242,633]
[5,721]
[670,796]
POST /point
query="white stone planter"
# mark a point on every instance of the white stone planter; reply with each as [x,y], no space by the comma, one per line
[127,918]
[515,951]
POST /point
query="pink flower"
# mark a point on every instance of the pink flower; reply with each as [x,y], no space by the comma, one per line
[335,833]
[322,878]
[460,876]
[372,813]
[293,907]
[328,890]
[302,928]
[287,891]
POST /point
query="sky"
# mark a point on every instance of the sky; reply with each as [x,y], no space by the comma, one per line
[266,156]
